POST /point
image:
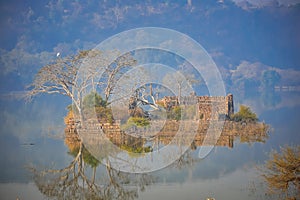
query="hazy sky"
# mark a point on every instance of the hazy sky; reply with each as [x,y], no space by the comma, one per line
[232,31]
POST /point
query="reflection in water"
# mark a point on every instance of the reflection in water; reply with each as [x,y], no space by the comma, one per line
[245,132]
[86,178]
[76,181]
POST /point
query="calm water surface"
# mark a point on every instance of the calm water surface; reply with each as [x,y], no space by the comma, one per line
[32,137]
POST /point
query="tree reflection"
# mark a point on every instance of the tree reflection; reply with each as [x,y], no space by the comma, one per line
[86,178]
[72,182]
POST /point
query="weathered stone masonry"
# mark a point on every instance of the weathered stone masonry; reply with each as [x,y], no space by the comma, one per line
[209,108]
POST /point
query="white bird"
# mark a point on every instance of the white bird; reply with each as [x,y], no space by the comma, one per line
[58,54]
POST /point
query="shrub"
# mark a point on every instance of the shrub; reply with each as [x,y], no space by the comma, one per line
[135,121]
[281,172]
[139,121]
[244,115]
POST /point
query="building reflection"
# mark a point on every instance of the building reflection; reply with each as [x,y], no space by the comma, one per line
[86,178]
[232,131]
[137,138]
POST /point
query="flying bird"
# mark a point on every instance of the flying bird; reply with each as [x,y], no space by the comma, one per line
[58,54]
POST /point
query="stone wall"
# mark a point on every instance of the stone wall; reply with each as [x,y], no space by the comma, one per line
[209,108]
[213,108]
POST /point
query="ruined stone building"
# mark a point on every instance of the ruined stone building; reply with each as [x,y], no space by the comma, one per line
[209,108]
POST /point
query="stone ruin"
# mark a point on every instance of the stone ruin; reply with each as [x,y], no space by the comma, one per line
[209,108]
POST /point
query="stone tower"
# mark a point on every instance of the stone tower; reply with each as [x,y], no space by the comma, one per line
[229,99]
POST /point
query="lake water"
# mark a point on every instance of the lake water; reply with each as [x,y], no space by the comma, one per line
[32,137]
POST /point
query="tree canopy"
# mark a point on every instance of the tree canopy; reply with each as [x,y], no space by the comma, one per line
[93,100]
[282,172]
[244,115]
[77,75]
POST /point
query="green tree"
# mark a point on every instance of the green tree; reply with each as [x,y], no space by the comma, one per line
[93,100]
[244,115]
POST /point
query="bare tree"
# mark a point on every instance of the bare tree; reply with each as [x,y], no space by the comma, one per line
[76,75]
[182,81]
[114,72]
